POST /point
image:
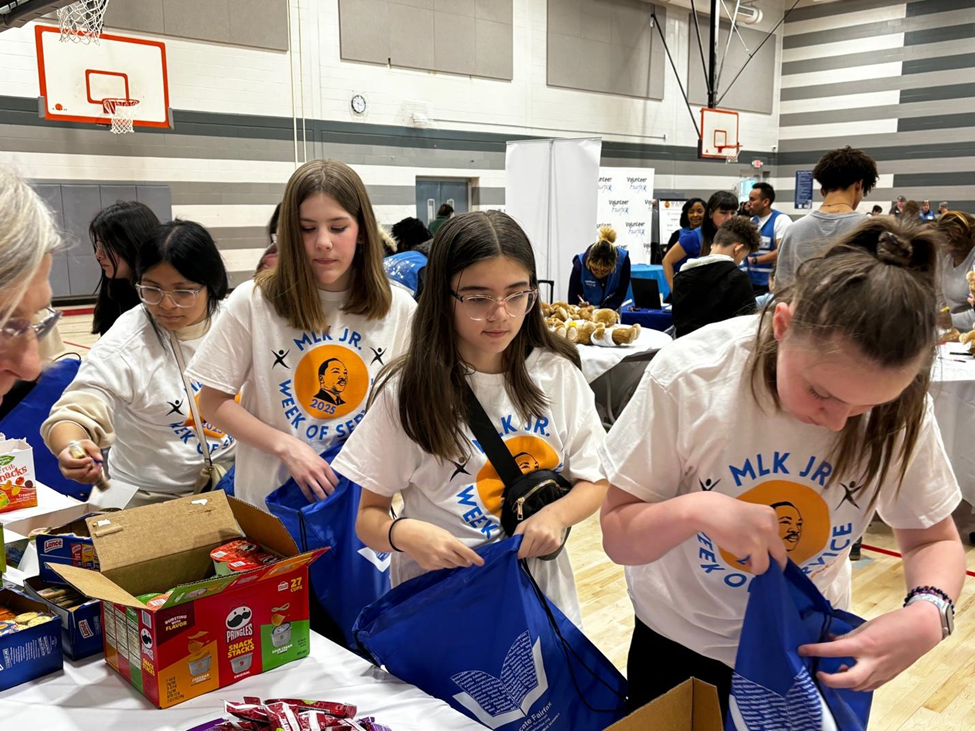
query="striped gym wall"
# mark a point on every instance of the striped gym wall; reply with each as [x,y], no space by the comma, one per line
[894,79]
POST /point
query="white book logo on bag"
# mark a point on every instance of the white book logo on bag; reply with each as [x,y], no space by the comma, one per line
[498,701]
[379,560]
[753,707]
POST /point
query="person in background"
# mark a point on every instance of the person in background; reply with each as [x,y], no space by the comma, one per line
[721,206]
[28,240]
[926,213]
[408,265]
[601,274]
[942,208]
[116,233]
[771,226]
[957,259]
[445,212]
[877,211]
[845,176]
[691,218]
[713,288]
[897,207]
[270,256]
[911,213]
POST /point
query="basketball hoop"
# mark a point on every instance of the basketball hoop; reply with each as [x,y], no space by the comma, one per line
[122,112]
[730,152]
[82,22]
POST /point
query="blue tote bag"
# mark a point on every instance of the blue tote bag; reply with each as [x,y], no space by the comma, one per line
[487,641]
[772,686]
[25,419]
[350,575]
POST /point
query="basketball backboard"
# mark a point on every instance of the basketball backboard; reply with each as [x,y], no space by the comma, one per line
[82,83]
[719,135]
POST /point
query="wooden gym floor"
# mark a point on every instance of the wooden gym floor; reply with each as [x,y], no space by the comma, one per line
[938,692]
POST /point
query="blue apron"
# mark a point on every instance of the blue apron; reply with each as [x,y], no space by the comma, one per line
[405,269]
[759,273]
[594,291]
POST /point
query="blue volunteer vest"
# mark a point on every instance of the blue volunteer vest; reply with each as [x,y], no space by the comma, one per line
[405,268]
[759,274]
[594,291]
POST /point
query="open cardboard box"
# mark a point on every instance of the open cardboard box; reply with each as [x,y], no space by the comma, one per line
[212,630]
[691,706]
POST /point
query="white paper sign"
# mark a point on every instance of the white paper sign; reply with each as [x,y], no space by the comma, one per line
[670,212]
[626,204]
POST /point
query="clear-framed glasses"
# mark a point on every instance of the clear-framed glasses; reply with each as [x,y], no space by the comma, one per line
[18,327]
[183,298]
[481,306]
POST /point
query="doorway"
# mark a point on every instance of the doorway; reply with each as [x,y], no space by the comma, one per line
[432,193]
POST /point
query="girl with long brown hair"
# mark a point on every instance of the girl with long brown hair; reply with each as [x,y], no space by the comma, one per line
[956,261]
[304,341]
[478,323]
[780,435]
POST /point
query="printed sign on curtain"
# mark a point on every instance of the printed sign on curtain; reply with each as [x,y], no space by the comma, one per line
[626,204]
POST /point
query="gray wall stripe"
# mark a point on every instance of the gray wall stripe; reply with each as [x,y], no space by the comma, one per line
[845,61]
[937,35]
[240,237]
[933,78]
[937,93]
[939,179]
[923,65]
[825,10]
[927,7]
[880,28]
[859,114]
[809,157]
[941,121]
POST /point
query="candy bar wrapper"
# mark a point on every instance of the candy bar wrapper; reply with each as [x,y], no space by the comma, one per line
[252,700]
[369,724]
[319,720]
[282,716]
[339,710]
[247,711]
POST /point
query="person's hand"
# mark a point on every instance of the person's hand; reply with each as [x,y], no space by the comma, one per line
[85,470]
[312,473]
[944,320]
[542,534]
[431,546]
[883,648]
[745,530]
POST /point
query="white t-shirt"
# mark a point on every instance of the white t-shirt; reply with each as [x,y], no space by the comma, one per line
[312,385]
[693,424]
[465,498]
[129,393]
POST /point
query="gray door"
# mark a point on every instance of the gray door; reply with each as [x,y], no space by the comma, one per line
[431,194]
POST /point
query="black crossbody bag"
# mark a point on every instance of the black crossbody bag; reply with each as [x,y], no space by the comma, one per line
[524,495]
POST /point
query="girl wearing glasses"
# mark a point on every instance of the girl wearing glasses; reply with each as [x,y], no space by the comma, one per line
[478,323]
[117,233]
[130,393]
[304,341]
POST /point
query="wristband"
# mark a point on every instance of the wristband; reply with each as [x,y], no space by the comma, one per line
[389,535]
[929,590]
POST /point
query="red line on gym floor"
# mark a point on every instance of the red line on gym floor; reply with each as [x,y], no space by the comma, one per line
[895,554]
[78,311]
[77,345]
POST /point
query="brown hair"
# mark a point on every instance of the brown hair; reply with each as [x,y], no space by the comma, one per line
[603,253]
[738,230]
[290,285]
[911,209]
[958,230]
[876,288]
[432,375]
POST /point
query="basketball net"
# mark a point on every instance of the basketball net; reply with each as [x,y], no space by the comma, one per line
[731,153]
[82,22]
[122,113]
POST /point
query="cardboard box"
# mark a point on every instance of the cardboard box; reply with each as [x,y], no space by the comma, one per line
[17,479]
[691,706]
[65,544]
[81,626]
[212,630]
[32,652]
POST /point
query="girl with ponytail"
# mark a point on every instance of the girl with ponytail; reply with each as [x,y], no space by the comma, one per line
[601,275]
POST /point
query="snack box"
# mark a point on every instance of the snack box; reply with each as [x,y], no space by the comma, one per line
[66,544]
[210,631]
[81,625]
[17,480]
[28,653]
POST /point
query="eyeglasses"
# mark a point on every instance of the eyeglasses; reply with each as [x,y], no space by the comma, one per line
[481,306]
[18,327]
[183,298]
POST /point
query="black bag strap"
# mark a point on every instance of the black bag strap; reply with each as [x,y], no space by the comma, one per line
[492,444]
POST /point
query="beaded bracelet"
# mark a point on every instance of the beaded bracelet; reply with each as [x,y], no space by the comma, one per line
[929,590]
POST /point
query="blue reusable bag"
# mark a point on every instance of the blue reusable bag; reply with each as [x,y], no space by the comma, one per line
[487,641]
[772,686]
[25,419]
[350,575]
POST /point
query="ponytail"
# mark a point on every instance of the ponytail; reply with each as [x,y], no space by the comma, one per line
[603,253]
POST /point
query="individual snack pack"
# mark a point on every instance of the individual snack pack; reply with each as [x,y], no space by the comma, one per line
[290,714]
[11,622]
[239,555]
[64,597]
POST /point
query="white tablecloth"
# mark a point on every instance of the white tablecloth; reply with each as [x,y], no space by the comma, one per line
[90,696]
[597,360]
[953,390]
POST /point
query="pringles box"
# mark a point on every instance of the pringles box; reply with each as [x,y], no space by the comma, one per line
[17,488]
[193,631]
[67,544]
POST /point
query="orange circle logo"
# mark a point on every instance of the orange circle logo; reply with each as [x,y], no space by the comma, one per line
[531,455]
[330,381]
[804,523]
